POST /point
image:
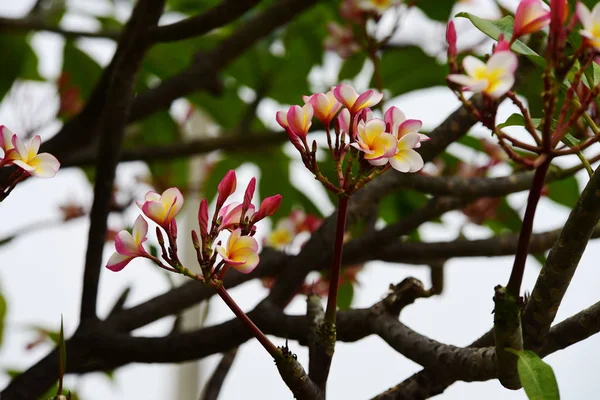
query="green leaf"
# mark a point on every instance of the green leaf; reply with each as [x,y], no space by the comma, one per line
[493,28]
[62,360]
[537,377]
[160,129]
[352,66]
[345,295]
[565,192]
[2,316]
[400,76]
[18,61]
[514,120]
[438,10]
[80,70]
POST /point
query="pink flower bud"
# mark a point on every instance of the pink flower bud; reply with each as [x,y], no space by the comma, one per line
[267,208]
[249,194]
[203,218]
[451,39]
[502,45]
[530,17]
[226,188]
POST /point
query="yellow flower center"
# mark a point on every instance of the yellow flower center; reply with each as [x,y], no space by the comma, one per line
[280,238]
[596,29]
[492,76]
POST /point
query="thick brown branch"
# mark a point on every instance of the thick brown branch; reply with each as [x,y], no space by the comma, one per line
[560,266]
[128,60]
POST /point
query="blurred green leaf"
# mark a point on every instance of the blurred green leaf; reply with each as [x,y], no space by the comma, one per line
[345,295]
[399,74]
[438,10]
[18,61]
[536,376]
[2,316]
[226,110]
[190,6]
[352,66]
[565,191]
[160,129]
[79,69]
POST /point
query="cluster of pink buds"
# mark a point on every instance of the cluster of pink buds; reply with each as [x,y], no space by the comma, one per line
[376,143]
[240,251]
[26,158]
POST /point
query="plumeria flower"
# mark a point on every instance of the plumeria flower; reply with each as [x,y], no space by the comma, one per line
[376,6]
[325,106]
[298,119]
[162,209]
[283,234]
[493,78]
[129,245]
[406,159]
[240,252]
[26,157]
[397,124]
[375,142]
[347,95]
[6,139]
[231,215]
[341,40]
[531,16]
[591,24]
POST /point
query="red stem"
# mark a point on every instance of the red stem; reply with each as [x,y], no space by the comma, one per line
[258,334]
[334,274]
[516,275]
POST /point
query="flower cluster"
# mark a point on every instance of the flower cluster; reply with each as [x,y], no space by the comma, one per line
[240,251]
[26,158]
[377,142]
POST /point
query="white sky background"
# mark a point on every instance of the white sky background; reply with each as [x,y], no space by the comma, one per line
[40,274]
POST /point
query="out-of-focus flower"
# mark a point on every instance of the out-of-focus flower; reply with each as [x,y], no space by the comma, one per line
[162,209]
[531,16]
[493,78]
[71,211]
[26,157]
[240,252]
[351,12]
[129,245]
[377,6]
[325,106]
[591,24]
[348,96]
[343,120]
[282,235]
[375,142]
[71,101]
[341,40]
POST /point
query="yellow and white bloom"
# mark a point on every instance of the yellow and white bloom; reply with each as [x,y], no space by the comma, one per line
[591,24]
[374,141]
[241,252]
[162,209]
[26,157]
[129,245]
[493,78]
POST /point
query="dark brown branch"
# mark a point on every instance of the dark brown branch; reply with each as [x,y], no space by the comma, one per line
[215,383]
[128,60]
[560,266]
[198,25]
[320,349]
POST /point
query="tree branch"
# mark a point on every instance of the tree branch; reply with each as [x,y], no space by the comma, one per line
[128,60]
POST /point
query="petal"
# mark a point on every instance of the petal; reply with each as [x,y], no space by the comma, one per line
[504,60]
[463,80]
[222,252]
[501,87]
[34,146]
[126,245]
[372,129]
[400,163]
[117,262]
[155,210]
[383,146]
[408,141]
[596,13]
[45,164]
[471,64]
[379,162]
[415,160]
[281,118]
[152,196]
[6,138]
[140,230]
[235,235]
[20,147]
[251,260]
[244,242]
[409,126]
[345,94]
[24,166]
